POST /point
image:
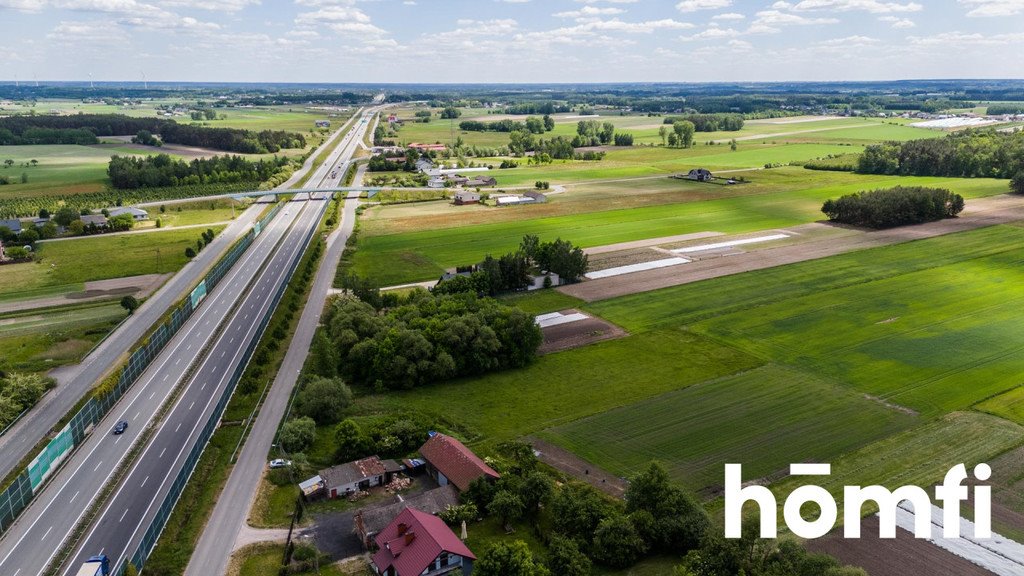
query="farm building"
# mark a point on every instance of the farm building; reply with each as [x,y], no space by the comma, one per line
[437,182]
[137,213]
[13,225]
[700,175]
[513,200]
[457,180]
[355,476]
[97,220]
[312,487]
[368,522]
[482,181]
[424,164]
[450,462]
[466,197]
[417,543]
[537,281]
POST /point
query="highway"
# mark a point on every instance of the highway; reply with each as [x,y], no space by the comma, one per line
[119,528]
[75,381]
[42,529]
[213,550]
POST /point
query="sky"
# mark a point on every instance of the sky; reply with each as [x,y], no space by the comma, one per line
[515,41]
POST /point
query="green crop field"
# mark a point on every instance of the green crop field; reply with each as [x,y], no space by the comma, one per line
[64,169]
[397,258]
[927,324]
[765,419]
[63,266]
[502,406]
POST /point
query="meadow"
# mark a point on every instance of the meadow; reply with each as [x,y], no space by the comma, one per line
[395,258]
[64,266]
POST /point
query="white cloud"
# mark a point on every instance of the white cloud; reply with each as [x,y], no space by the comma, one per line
[728,16]
[608,1]
[849,41]
[897,22]
[961,39]
[990,8]
[695,5]
[23,5]
[588,11]
[777,18]
[220,5]
[712,33]
[872,6]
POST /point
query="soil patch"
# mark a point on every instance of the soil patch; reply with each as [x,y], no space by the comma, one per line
[897,557]
[579,333]
[564,461]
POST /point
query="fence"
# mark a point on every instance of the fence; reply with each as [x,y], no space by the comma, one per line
[17,496]
[152,534]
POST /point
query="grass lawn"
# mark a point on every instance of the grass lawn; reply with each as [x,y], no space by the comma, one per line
[765,419]
[609,374]
[37,341]
[265,560]
[192,213]
[541,301]
[64,266]
[391,258]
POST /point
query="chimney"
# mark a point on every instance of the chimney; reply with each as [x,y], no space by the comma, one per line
[402,528]
[409,537]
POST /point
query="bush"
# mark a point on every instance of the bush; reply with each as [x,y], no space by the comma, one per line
[297,435]
[323,399]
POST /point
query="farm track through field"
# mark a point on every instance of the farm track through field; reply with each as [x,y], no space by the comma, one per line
[981,212]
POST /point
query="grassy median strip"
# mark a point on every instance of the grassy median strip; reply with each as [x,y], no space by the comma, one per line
[177,543]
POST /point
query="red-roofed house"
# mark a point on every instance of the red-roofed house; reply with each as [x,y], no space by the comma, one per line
[419,543]
[449,461]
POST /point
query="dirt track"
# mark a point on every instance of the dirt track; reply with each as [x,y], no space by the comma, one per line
[979,213]
[138,286]
[573,465]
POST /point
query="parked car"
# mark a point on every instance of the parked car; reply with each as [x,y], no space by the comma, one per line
[120,427]
[280,463]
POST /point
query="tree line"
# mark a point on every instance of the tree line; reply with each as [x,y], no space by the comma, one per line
[512,272]
[76,129]
[710,122]
[532,124]
[130,172]
[896,206]
[19,392]
[981,153]
[428,338]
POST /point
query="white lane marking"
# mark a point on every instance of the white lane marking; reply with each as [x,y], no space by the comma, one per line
[153,394]
[165,377]
[223,352]
[73,497]
[162,453]
[192,404]
[97,466]
[178,361]
[47,533]
[143,481]
[123,515]
[178,426]
[203,387]
[136,416]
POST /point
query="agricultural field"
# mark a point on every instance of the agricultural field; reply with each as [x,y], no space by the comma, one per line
[59,268]
[194,213]
[40,340]
[390,257]
[764,418]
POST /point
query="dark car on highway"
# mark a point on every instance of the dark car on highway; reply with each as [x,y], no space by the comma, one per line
[120,427]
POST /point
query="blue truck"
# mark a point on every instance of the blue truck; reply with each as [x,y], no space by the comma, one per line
[98,565]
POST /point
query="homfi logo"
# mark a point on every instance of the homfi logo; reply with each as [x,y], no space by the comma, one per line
[951,492]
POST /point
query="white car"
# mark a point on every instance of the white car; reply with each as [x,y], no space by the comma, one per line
[280,463]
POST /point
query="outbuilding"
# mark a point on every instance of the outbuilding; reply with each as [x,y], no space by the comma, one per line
[352,477]
[450,462]
[463,197]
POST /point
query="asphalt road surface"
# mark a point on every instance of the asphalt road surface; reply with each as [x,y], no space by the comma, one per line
[74,382]
[42,529]
[118,530]
[213,551]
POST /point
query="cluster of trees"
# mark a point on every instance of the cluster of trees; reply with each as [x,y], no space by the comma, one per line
[427,338]
[623,139]
[593,133]
[524,108]
[203,114]
[385,437]
[1001,109]
[557,148]
[983,153]
[897,206]
[204,239]
[532,124]
[84,129]
[450,113]
[512,272]
[381,163]
[129,172]
[710,122]
[146,138]
[19,392]
[681,134]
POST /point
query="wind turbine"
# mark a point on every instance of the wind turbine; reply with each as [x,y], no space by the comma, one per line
[91,85]
[144,81]
[36,78]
